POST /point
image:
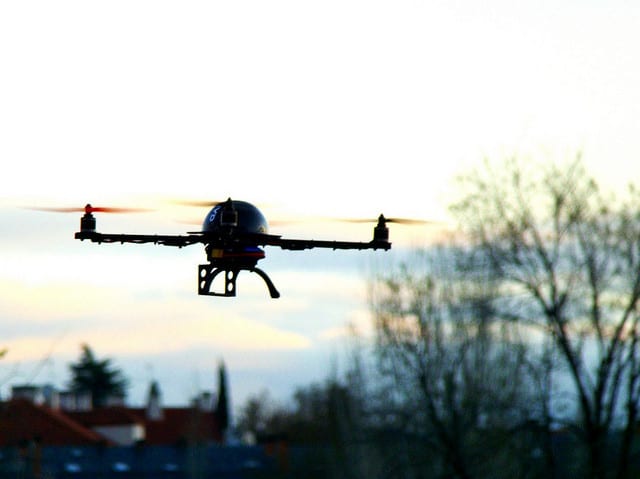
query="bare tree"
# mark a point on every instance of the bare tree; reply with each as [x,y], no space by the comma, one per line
[458,391]
[568,257]
[320,419]
[255,414]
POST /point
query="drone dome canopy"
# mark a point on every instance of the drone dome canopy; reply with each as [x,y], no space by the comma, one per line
[249,218]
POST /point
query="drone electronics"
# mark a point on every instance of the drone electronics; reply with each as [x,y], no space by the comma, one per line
[232,233]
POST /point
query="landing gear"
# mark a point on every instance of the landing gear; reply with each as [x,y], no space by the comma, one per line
[231,269]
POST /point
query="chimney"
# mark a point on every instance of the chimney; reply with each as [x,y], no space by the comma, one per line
[75,401]
[205,401]
[51,396]
[154,403]
[28,392]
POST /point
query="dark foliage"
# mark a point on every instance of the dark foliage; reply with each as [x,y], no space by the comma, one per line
[98,377]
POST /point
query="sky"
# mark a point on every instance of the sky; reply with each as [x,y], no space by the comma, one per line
[308,110]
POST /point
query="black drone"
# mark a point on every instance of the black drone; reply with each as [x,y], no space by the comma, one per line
[232,232]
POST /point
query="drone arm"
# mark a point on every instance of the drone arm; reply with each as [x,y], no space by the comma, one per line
[301,244]
[380,240]
[167,240]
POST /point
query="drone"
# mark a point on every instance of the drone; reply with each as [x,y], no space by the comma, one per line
[233,234]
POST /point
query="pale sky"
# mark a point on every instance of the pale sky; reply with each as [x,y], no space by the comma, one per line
[334,108]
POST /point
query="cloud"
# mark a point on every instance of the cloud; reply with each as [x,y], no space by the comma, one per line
[229,333]
[120,321]
[358,323]
[149,337]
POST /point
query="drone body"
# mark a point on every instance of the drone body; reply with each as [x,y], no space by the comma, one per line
[232,233]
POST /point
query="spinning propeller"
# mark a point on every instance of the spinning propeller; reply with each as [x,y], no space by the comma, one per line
[92,209]
[401,221]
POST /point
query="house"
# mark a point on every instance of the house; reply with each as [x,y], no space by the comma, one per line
[32,415]
[157,426]
[171,426]
[117,425]
[37,441]
[23,421]
[62,436]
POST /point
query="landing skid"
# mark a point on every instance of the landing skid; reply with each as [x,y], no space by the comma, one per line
[207,273]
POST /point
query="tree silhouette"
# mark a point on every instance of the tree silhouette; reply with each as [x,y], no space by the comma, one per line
[567,256]
[222,406]
[99,377]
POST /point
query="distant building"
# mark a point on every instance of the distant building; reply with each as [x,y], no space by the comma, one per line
[168,426]
[116,424]
[34,394]
[24,421]
[75,401]
[65,418]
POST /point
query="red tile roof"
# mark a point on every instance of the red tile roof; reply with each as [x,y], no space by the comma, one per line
[109,416]
[20,420]
[180,425]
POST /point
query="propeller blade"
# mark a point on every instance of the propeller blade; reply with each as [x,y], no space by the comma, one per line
[108,209]
[197,203]
[402,221]
[55,210]
[189,221]
[90,209]
[207,203]
[410,221]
